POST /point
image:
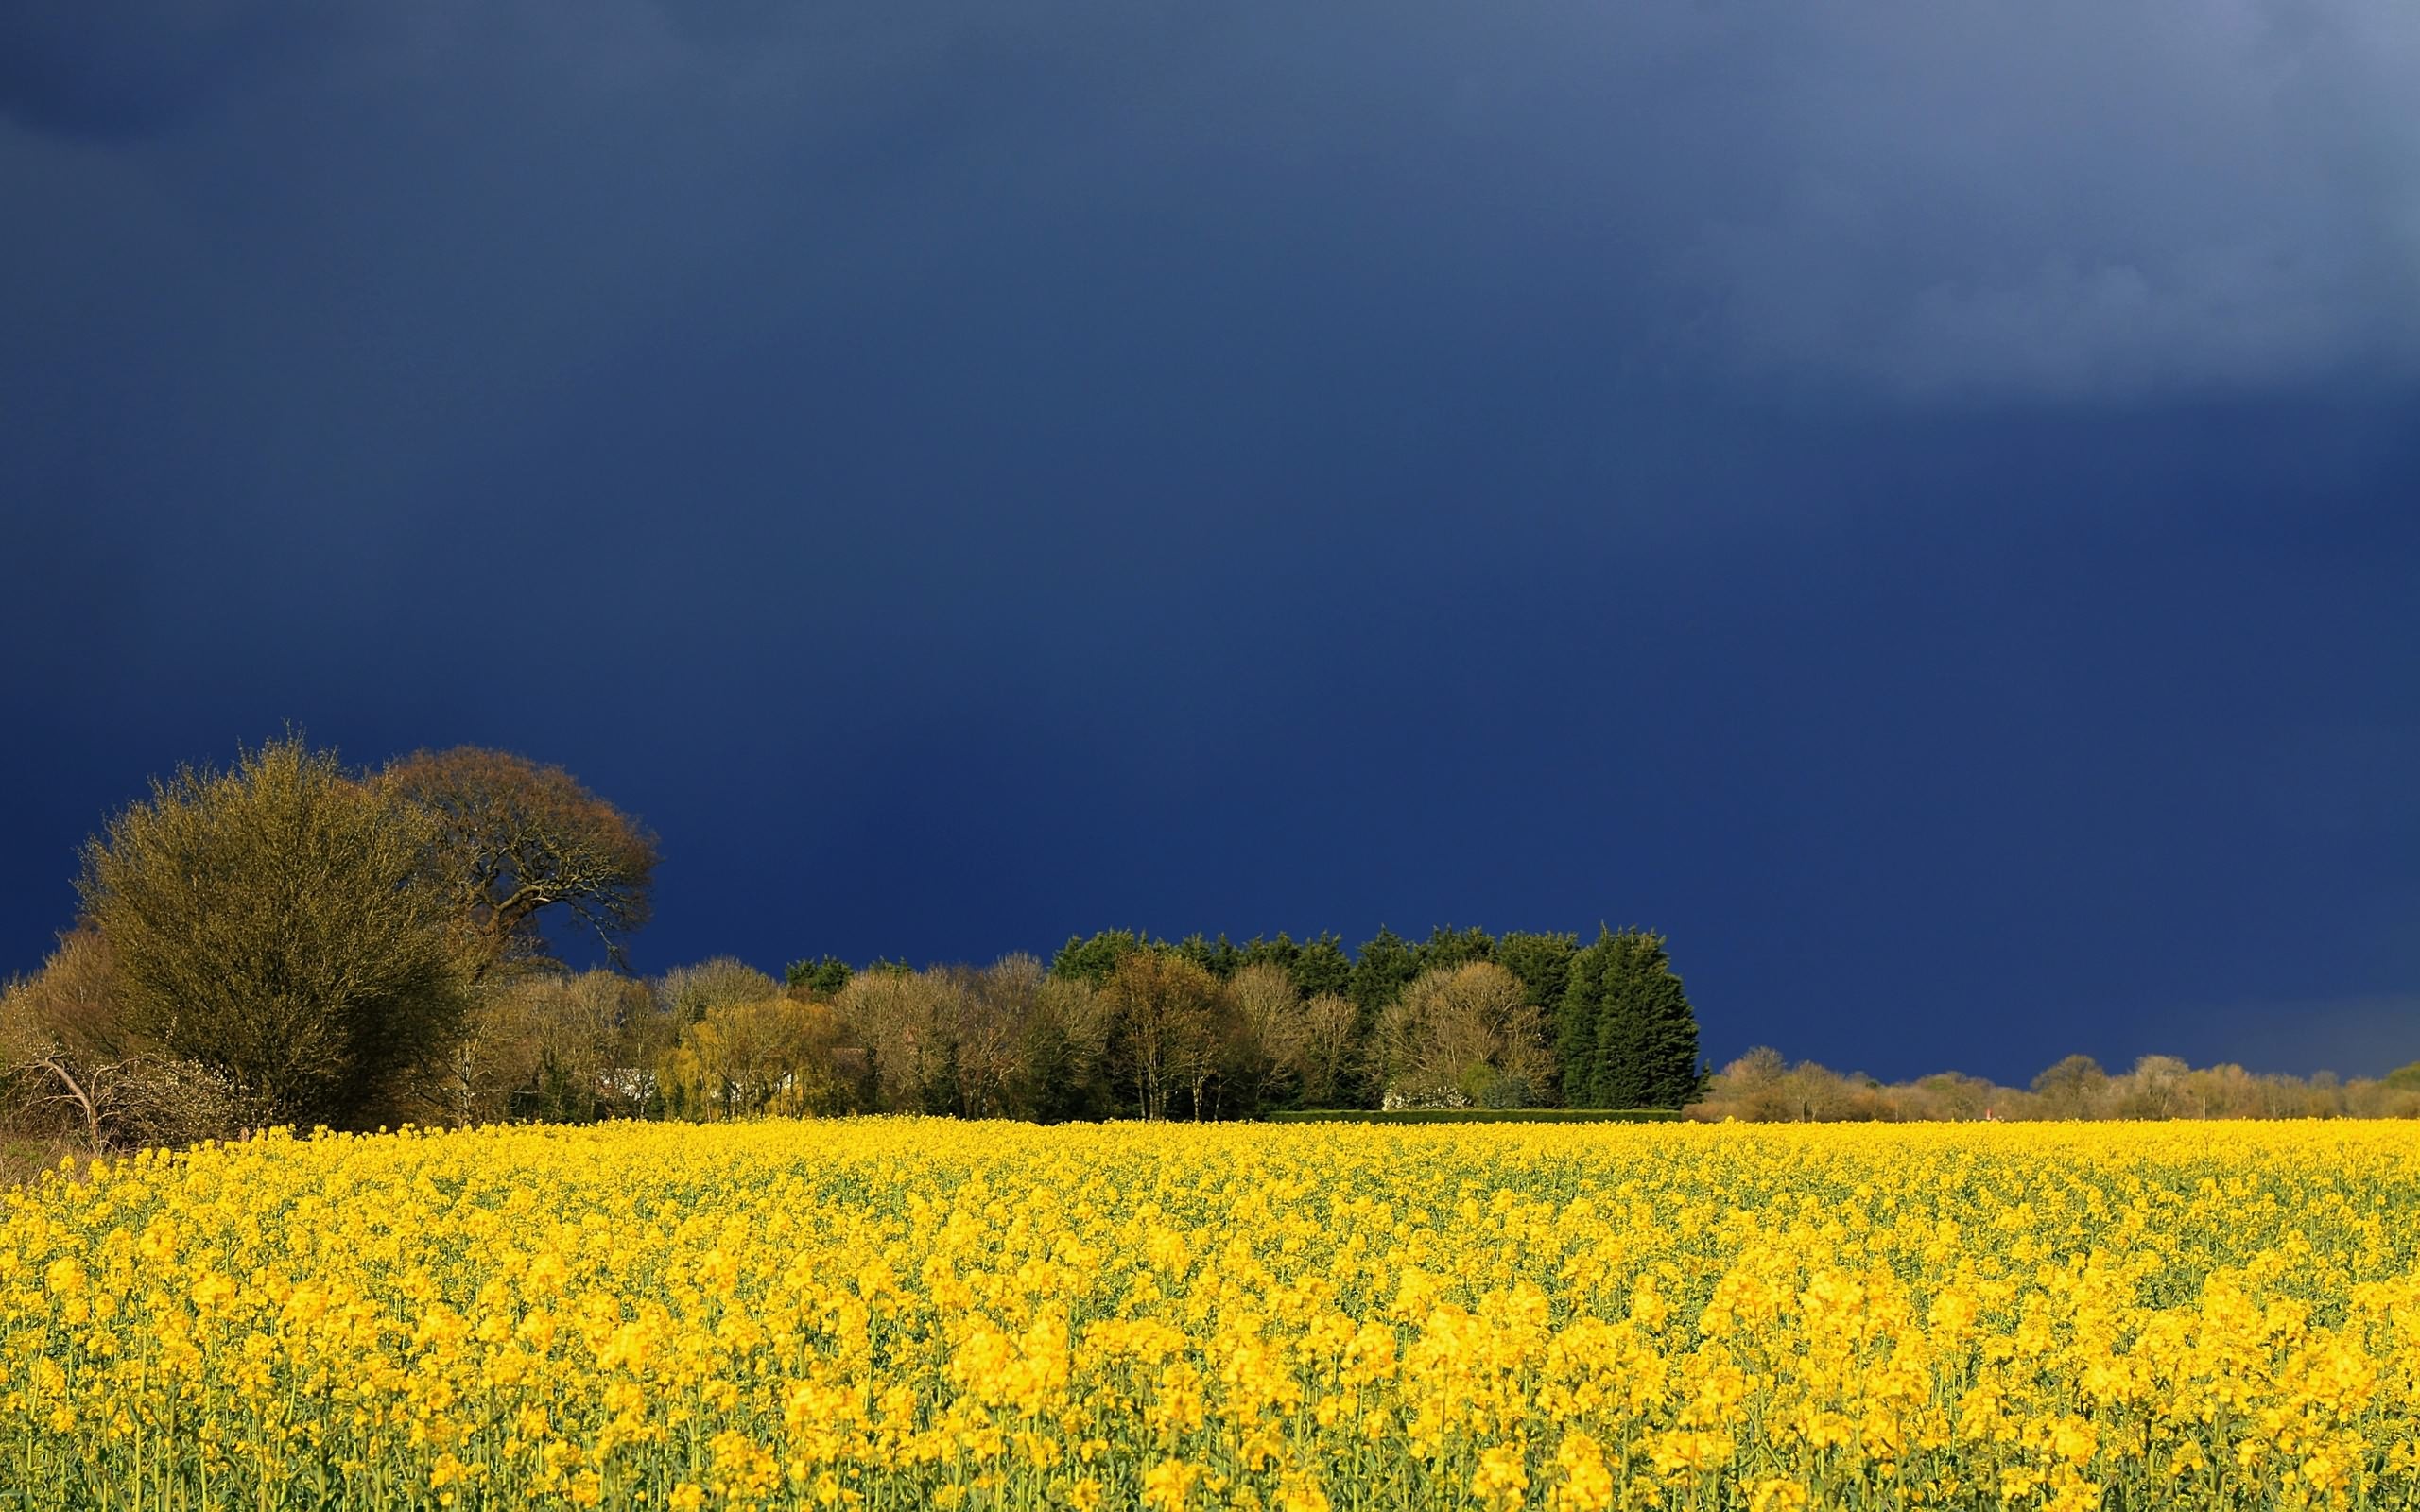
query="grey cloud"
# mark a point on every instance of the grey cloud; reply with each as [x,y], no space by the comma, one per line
[2073,200]
[2084,200]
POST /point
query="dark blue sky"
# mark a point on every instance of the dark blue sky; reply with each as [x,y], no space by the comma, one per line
[1919,501]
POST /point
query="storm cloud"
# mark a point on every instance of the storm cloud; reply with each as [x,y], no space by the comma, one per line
[2072,201]
[1920,480]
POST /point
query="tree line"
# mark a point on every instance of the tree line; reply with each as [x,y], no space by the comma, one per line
[1763,1087]
[292,941]
[289,940]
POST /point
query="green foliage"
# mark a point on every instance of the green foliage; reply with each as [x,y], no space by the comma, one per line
[1617,1028]
[1280,951]
[324,946]
[1321,967]
[2405,1078]
[1449,947]
[277,924]
[1542,962]
[1095,960]
[1217,957]
[1384,967]
[1627,1037]
[1575,1026]
[824,976]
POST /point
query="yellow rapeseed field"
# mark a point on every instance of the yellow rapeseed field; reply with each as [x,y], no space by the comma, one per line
[907,1313]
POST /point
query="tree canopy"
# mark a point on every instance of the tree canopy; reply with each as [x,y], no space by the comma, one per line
[277,923]
[512,841]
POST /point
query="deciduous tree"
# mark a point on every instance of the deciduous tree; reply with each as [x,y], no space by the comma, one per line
[901,1020]
[1464,1037]
[277,924]
[515,842]
[771,1054]
[690,993]
[1332,1051]
[71,1064]
[1061,1065]
[1164,1008]
[2072,1087]
[1271,1032]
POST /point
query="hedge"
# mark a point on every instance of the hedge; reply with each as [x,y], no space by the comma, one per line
[1477,1115]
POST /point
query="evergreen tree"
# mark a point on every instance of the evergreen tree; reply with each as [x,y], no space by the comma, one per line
[824,976]
[1320,967]
[1623,1075]
[1385,963]
[1096,959]
[1542,962]
[1672,1041]
[1280,951]
[1449,947]
[1575,1022]
[1217,957]
[1646,1052]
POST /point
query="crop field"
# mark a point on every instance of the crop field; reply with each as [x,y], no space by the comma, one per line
[900,1313]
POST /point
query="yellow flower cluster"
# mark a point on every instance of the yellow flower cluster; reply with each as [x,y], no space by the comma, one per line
[895,1315]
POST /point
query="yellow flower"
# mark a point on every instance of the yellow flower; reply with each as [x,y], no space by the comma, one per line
[1168,1485]
[2073,1439]
[1502,1478]
[1587,1484]
[1776,1493]
[912,1312]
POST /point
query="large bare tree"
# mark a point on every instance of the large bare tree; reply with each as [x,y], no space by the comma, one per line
[514,840]
[1167,1011]
[1463,1035]
[1331,1049]
[902,1022]
[1270,1029]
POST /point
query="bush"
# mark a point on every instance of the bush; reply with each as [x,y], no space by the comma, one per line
[72,1071]
[1480,1115]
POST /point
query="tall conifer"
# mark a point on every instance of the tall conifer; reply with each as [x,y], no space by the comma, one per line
[1624,1074]
[1575,1024]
